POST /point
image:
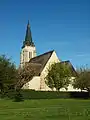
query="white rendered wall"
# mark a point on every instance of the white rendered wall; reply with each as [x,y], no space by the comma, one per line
[70,87]
[33,84]
[53,59]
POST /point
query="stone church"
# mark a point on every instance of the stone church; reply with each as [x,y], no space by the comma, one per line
[43,61]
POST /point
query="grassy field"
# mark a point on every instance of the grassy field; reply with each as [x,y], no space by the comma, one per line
[52,109]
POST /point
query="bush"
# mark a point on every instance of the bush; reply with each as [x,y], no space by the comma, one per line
[18,97]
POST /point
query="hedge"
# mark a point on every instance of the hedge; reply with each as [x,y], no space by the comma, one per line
[31,94]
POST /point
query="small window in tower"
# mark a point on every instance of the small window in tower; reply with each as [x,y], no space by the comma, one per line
[34,53]
[30,54]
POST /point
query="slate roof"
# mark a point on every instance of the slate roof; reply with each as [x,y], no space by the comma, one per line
[41,61]
[37,68]
[73,71]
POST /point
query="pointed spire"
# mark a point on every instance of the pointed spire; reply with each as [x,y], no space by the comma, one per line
[28,38]
[28,24]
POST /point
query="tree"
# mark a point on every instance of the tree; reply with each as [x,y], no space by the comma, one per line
[82,81]
[7,73]
[58,76]
[26,74]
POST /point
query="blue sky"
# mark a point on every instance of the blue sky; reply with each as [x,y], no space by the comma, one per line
[62,25]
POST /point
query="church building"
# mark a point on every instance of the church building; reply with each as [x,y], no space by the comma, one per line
[43,61]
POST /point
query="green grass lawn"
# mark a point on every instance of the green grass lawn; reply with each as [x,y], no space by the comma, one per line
[52,109]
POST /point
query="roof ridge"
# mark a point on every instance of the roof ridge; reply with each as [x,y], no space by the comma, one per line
[43,54]
[65,61]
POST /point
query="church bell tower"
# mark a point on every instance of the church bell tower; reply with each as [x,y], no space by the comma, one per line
[28,50]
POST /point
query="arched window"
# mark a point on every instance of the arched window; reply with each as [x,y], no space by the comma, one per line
[30,54]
